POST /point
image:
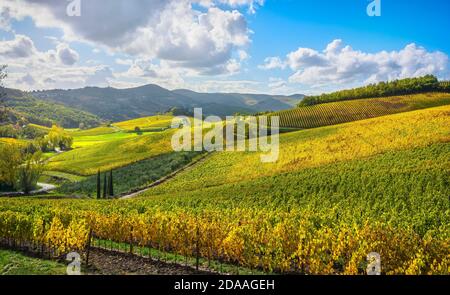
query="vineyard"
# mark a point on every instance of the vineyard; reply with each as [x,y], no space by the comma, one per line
[274,225]
[336,194]
[320,146]
[347,111]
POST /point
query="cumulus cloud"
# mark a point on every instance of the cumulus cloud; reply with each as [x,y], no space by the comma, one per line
[340,64]
[271,63]
[29,68]
[101,77]
[5,19]
[66,55]
[20,47]
[171,30]
[251,4]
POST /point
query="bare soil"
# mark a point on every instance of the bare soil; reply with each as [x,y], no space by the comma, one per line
[104,262]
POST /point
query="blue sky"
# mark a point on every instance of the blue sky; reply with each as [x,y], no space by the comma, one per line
[272,46]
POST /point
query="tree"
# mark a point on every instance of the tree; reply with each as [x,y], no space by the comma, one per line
[99,187]
[137,129]
[10,160]
[59,138]
[111,185]
[30,171]
[3,110]
[105,187]
[397,87]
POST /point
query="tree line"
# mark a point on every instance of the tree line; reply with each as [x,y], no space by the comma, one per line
[108,186]
[426,83]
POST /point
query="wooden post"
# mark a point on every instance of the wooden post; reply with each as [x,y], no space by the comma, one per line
[197,249]
[88,247]
[131,240]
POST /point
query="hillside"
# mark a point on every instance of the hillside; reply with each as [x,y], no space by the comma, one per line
[336,194]
[332,113]
[24,105]
[428,83]
[320,146]
[124,104]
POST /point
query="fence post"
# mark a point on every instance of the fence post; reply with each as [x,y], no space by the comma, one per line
[88,247]
[131,240]
[197,249]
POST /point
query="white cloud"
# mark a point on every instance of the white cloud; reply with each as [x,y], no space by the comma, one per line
[251,4]
[228,86]
[101,77]
[5,19]
[124,62]
[20,47]
[271,63]
[342,65]
[66,55]
[29,68]
[170,30]
[275,83]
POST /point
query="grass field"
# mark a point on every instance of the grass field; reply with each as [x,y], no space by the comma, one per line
[109,154]
[94,140]
[346,111]
[15,263]
[94,131]
[147,123]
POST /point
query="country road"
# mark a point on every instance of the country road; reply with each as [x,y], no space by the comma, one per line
[43,188]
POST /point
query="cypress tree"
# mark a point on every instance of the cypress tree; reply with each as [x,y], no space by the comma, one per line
[111,185]
[105,188]
[99,188]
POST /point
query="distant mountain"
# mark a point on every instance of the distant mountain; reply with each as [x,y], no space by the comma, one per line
[22,105]
[122,104]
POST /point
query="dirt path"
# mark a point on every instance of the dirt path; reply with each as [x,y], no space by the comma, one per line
[44,188]
[106,262]
[167,177]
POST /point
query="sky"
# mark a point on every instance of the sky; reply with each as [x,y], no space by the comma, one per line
[247,46]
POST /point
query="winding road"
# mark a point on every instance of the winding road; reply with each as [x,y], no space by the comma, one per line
[43,188]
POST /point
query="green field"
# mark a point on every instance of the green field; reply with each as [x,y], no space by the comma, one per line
[110,151]
[346,111]
[14,263]
[147,123]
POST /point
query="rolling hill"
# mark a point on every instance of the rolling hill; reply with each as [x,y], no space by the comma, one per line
[336,194]
[24,105]
[332,113]
[124,104]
